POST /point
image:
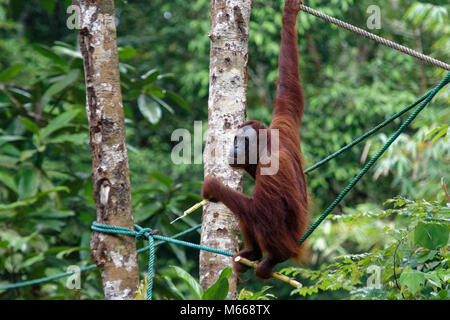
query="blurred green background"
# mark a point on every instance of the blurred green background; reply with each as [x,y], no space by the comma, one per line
[351,84]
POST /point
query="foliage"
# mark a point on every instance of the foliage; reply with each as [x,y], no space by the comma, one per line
[414,162]
[42,122]
[245,294]
[351,84]
[408,260]
[189,289]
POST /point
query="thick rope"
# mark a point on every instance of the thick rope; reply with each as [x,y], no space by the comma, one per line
[376,38]
[141,233]
[87,268]
[45,279]
[367,134]
[151,261]
[366,168]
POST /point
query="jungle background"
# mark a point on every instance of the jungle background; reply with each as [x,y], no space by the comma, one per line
[388,239]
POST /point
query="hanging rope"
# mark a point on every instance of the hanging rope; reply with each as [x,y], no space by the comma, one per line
[367,134]
[376,38]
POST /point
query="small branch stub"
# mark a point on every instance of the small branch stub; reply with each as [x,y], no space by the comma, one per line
[190,210]
[275,275]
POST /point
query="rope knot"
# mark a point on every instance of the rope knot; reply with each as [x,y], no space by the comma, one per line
[144,233]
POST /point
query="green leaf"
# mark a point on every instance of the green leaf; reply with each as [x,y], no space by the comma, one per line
[178,100]
[6,139]
[248,295]
[27,154]
[219,290]
[30,125]
[59,122]
[433,279]
[64,253]
[427,256]
[413,279]
[154,91]
[36,258]
[78,139]
[179,273]
[10,236]
[52,213]
[20,92]
[179,252]
[28,182]
[149,109]
[48,53]
[8,180]
[164,104]
[85,242]
[59,86]
[431,235]
[259,294]
[443,294]
[49,5]
[126,53]
[68,52]
[173,288]
[158,176]
[150,76]
[10,72]
[8,162]
[440,134]
[166,75]
[31,200]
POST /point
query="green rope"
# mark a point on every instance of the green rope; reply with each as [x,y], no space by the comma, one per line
[45,279]
[141,233]
[367,134]
[366,168]
[87,268]
[145,233]
[157,244]
[151,260]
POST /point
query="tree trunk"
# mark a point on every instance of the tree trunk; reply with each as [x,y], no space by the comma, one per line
[115,255]
[226,110]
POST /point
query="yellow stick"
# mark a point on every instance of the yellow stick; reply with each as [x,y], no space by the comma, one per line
[191,209]
[276,275]
[195,207]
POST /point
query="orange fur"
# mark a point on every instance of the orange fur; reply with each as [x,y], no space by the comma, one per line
[275,218]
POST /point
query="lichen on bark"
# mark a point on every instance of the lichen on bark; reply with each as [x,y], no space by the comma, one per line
[226,111]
